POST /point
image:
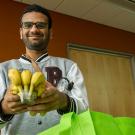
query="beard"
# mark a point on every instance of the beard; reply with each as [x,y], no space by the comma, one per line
[37,45]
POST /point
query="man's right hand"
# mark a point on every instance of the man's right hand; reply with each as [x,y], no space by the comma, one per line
[11,104]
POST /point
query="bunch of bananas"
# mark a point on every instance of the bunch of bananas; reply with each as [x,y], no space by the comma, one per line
[27,85]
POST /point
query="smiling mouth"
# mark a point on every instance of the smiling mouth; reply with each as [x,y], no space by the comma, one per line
[35,37]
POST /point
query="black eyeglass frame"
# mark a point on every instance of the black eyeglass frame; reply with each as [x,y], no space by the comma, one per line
[39,25]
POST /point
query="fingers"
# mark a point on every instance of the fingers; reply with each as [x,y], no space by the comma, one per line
[10,97]
[51,99]
[48,93]
[47,99]
[48,84]
[58,100]
[11,103]
[13,107]
[43,107]
[18,109]
[13,98]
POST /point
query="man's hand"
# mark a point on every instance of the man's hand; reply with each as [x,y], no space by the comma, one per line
[51,99]
[11,104]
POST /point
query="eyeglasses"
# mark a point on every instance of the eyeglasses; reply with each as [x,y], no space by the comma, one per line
[39,25]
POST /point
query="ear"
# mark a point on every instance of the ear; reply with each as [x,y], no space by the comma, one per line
[20,33]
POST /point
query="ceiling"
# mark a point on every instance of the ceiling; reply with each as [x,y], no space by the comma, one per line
[115,13]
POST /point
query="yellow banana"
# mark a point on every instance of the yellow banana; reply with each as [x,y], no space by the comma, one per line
[14,89]
[34,84]
[42,113]
[40,89]
[32,113]
[26,79]
[15,78]
[37,78]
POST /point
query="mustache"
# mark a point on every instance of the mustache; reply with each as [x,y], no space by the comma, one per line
[34,34]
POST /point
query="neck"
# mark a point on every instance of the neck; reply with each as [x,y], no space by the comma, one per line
[34,54]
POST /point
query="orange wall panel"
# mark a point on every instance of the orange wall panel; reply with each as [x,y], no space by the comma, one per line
[66,29]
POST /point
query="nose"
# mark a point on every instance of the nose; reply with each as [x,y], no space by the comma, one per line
[34,28]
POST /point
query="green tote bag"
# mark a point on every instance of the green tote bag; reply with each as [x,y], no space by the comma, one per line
[105,124]
[126,125]
[73,124]
[92,123]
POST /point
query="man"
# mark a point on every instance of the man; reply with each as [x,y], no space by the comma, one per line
[65,91]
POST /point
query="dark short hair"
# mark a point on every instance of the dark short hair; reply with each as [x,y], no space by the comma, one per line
[37,8]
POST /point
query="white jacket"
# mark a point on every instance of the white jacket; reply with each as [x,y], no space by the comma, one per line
[24,124]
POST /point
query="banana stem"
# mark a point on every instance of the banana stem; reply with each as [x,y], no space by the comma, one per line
[26,88]
[20,88]
[31,89]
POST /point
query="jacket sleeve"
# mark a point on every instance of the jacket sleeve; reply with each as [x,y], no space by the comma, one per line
[3,86]
[78,92]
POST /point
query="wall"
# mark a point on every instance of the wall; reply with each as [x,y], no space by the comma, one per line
[66,29]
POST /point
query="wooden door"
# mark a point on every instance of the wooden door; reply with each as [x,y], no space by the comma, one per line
[109,81]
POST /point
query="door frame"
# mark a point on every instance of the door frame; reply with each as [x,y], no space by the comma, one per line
[104,51]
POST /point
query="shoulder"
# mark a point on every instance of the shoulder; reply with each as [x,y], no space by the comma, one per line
[63,63]
[62,60]
[8,63]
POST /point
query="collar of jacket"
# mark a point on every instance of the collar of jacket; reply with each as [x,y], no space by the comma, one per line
[39,59]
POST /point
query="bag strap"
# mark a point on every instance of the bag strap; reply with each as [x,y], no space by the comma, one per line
[86,123]
[65,124]
[77,124]
[34,64]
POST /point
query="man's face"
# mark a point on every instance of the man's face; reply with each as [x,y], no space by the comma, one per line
[35,32]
